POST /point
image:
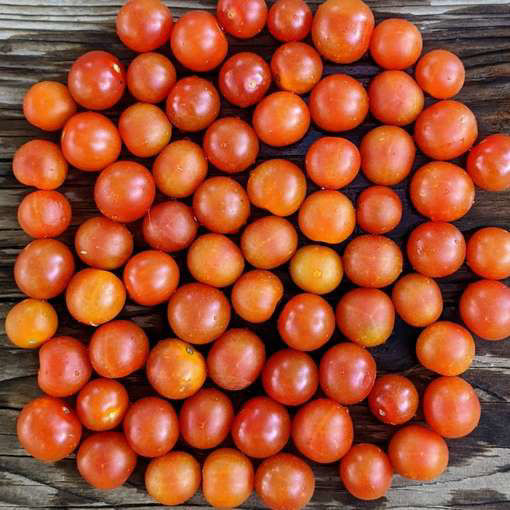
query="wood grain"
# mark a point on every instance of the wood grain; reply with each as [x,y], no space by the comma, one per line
[40,38]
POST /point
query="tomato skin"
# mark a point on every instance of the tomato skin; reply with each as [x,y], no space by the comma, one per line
[379,210]
[341,30]
[144,25]
[242,18]
[198,42]
[48,429]
[48,105]
[289,20]
[43,268]
[105,460]
[41,164]
[488,253]
[366,472]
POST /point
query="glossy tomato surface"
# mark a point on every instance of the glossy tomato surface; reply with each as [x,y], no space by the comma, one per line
[488,253]
[289,20]
[379,210]
[242,18]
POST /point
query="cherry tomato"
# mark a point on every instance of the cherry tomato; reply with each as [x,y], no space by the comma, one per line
[150,77]
[379,210]
[90,141]
[440,73]
[179,169]
[221,205]
[227,478]
[175,369]
[387,155]
[393,399]
[256,294]
[30,323]
[97,80]
[488,253]
[306,322]
[103,243]
[316,268]
[151,277]
[151,427]
[48,429]
[48,105]
[445,348]
[269,242]
[278,186]
[417,299]
[64,366]
[144,25]
[347,373]
[418,453]
[281,119]
[342,29]
[366,472]
[101,404]
[236,359]
[198,313]
[261,428]
[396,44]
[451,407]
[436,249]
[43,268]
[289,20]
[290,377]
[198,42]
[365,316]
[118,349]
[169,226]
[105,460]
[488,163]
[44,214]
[332,162]
[244,79]
[322,430]
[242,18]
[205,418]
[193,104]
[94,296]
[327,216]
[445,130]
[41,164]
[173,478]
[485,309]
[284,481]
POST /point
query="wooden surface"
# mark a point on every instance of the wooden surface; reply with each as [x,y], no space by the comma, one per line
[40,38]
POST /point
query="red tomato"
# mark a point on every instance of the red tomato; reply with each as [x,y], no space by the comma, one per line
[488,253]
[289,20]
[379,210]
[242,18]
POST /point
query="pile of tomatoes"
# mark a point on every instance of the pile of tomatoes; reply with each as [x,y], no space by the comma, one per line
[235,236]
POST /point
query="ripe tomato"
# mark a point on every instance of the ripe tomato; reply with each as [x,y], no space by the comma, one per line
[44,214]
[440,73]
[445,130]
[242,18]
[289,20]
[43,268]
[151,277]
[306,322]
[436,249]
[278,186]
[48,429]
[236,359]
[322,430]
[488,253]
[41,164]
[101,404]
[105,460]
[64,366]
[379,210]
[97,80]
[327,216]
[261,428]
[48,105]
[144,25]
[198,42]
[366,472]
[418,453]
[365,316]
[175,369]
[290,377]
[342,29]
